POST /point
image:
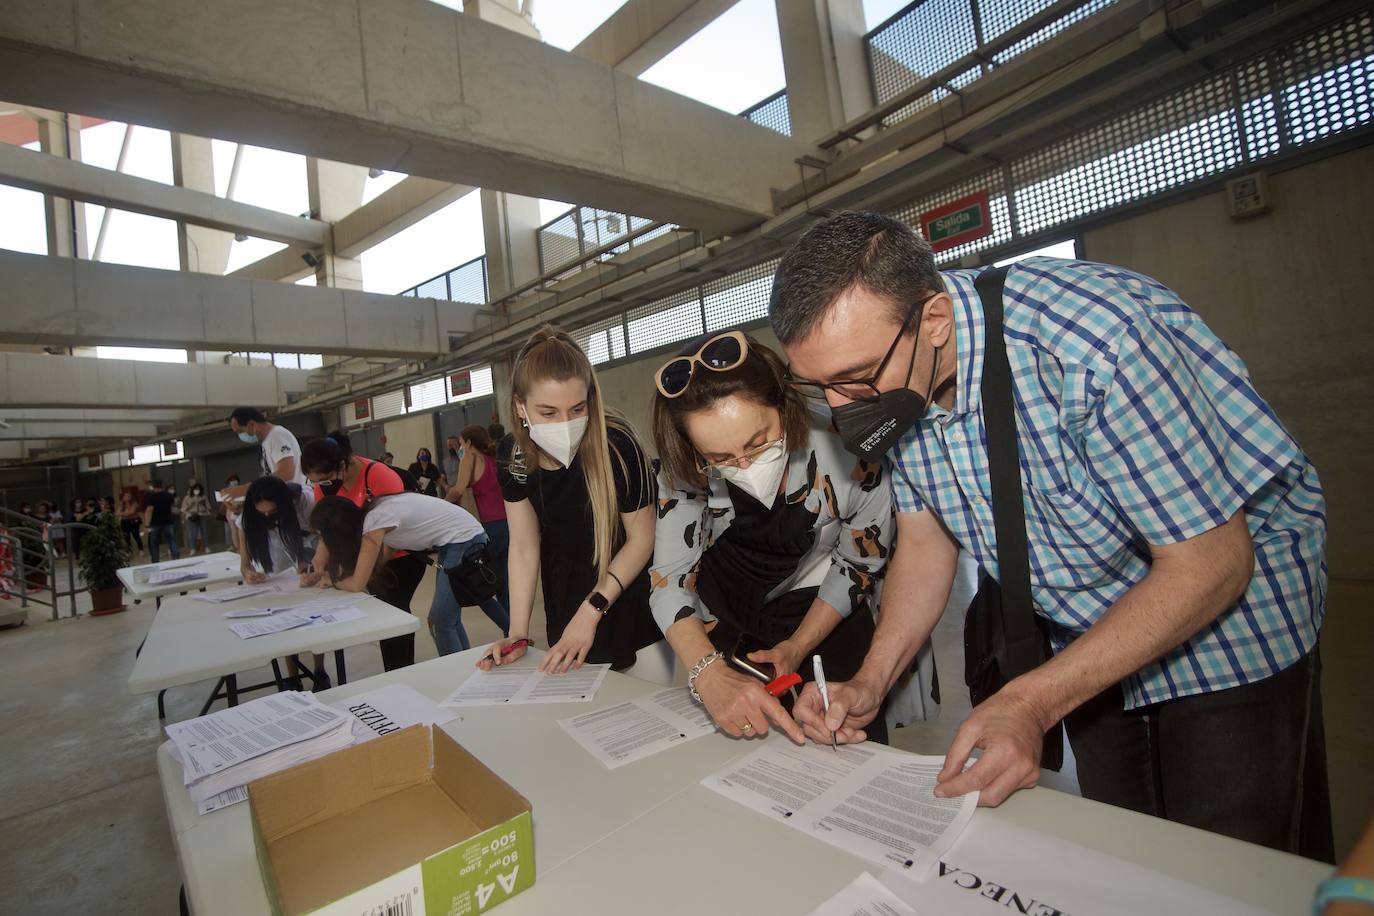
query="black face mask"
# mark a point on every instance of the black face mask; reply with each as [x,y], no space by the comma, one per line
[271,520]
[869,428]
[453,453]
[331,487]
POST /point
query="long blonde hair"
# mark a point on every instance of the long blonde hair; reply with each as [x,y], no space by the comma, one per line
[552,355]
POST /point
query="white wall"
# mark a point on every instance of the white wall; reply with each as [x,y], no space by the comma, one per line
[407,435]
[1291,293]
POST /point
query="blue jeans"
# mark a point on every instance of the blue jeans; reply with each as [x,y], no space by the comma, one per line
[445,614]
[157,534]
[498,545]
[197,528]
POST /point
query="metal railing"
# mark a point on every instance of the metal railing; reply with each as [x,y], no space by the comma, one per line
[771,113]
[465,283]
[29,564]
[934,48]
[587,233]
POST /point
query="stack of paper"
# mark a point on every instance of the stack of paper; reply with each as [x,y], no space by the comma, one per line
[630,731]
[359,718]
[317,613]
[169,576]
[232,747]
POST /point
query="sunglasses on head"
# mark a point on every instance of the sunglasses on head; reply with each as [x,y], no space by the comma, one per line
[719,354]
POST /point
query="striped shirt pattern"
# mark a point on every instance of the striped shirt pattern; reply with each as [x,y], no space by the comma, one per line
[1136,426]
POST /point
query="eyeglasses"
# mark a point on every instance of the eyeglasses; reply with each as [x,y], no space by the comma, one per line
[763,454]
[719,354]
[865,389]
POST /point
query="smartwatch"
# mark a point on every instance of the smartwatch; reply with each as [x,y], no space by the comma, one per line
[598,601]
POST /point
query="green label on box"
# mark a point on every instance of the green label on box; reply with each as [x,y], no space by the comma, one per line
[476,875]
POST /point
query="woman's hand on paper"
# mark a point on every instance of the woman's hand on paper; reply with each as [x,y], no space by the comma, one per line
[786,657]
[571,651]
[498,653]
[253,577]
[311,579]
[853,704]
[1007,727]
[740,706]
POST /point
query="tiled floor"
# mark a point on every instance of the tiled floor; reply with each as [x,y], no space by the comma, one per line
[82,828]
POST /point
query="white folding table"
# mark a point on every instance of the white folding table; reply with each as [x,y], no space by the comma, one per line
[190,641]
[647,838]
[218,568]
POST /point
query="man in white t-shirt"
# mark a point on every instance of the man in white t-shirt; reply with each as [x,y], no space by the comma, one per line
[279,452]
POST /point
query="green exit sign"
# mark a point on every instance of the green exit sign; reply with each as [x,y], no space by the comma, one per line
[958,222]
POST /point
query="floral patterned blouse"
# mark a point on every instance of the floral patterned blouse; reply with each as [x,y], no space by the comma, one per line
[854,520]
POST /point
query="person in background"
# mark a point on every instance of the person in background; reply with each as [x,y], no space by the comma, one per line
[230,508]
[502,442]
[278,451]
[450,464]
[107,505]
[388,459]
[195,514]
[57,531]
[766,525]
[477,473]
[330,464]
[26,509]
[426,473]
[579,500]
[274,528]
[129,521]
[77,515]
[358,540]
[159,521]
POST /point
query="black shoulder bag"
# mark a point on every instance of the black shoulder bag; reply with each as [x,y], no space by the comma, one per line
[1003,636]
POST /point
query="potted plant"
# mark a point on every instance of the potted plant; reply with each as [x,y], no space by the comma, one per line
[103,551]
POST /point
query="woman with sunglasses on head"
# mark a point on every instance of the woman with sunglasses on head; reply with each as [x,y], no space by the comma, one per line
[329,464]
[578,501]
[766,525]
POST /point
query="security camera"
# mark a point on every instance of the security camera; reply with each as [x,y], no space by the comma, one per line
[312,260]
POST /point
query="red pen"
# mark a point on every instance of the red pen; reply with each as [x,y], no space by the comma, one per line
[780,685]
[518,644]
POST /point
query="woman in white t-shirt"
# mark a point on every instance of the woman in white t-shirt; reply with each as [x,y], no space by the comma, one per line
[276,529]
[355,538]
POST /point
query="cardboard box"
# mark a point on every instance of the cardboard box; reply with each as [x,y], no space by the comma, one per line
[405,825]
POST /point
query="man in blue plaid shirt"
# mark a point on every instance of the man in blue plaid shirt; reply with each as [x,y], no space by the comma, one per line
[1177,533]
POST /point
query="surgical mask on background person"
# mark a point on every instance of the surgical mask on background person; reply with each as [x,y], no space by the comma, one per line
[248,437]
[763,476]
[869,428]
[559,440]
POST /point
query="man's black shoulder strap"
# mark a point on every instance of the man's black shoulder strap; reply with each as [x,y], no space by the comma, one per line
[1024,642]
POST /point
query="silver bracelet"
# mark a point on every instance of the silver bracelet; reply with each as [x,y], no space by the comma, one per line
[696,672]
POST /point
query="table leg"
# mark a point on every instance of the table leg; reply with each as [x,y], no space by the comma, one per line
[181,902]
[277,676]
[339,666]
[231,687]
[161,709]
[214,695]
[157,603]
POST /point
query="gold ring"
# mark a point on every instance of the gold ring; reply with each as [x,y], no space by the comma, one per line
[747,726]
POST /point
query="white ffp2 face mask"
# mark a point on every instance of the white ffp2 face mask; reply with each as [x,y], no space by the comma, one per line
[559,440]
[761,479]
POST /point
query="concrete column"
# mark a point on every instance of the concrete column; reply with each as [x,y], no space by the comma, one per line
[510,226]
[823,58]
[510,222]
[193,166]
[500,390]
[336,190]
[66,219]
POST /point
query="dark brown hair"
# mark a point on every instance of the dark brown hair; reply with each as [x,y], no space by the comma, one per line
[760,378]
[477,435]
[870,250]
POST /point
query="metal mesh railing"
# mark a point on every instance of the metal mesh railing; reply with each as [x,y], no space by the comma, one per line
[1311,90]
[771,113]
[465,283]
[930,36]
[569,239]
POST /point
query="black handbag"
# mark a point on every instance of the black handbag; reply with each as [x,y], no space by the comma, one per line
[475,579]
[1003,636]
